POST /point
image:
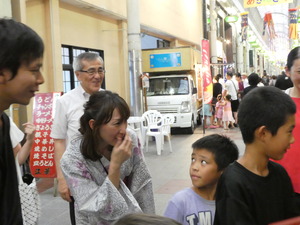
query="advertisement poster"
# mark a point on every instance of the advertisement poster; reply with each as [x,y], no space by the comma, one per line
[207,81]
[244,25]
[42,164]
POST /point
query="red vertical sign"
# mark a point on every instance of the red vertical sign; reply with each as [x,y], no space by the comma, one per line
[42,162]
[206,75]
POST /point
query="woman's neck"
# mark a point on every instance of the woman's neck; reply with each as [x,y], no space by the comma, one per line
[294,92]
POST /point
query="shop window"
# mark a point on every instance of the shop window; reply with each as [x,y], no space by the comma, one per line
[68,53]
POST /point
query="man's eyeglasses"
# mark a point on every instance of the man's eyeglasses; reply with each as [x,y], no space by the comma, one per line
[93,71]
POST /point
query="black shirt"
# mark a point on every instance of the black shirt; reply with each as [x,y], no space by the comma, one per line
[245,198]
[10,207]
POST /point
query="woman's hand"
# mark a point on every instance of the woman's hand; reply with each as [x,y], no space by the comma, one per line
[120,153]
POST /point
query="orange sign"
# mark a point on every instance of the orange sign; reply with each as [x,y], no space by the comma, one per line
[42,162]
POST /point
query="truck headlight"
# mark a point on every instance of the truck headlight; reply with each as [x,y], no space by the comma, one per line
[185,107]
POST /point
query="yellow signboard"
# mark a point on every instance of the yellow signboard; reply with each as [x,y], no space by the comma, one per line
[256,3]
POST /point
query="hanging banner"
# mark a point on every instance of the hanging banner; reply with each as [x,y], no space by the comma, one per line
[199,82]
[206,75]
[42,164]
[244,25]
[269,23]
[293,31]
[256,3]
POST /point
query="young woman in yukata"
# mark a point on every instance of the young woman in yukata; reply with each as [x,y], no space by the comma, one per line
[105,167]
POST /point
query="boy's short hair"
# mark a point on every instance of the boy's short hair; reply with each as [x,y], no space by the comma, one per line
[18,44]
[264,106]
[223,148]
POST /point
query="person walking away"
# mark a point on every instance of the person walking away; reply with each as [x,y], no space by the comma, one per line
[21,58]
[196,205]
[253,81]
[253,189]
[104,166]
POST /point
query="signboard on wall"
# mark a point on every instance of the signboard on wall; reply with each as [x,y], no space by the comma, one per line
[172,59]
[256,3]
[42,162]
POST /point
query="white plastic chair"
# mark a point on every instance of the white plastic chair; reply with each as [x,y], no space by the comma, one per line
[168,120]
[154,128]
[135,123]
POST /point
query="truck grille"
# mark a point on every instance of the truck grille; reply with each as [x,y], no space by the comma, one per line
[166,110]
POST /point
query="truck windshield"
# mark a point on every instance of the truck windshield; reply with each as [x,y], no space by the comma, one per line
[168,86]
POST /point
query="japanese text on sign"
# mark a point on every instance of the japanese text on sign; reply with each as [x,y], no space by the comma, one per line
[42,162]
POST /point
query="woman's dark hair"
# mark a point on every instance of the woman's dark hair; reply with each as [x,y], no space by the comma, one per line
[100,108]
[18,44]
[293,55]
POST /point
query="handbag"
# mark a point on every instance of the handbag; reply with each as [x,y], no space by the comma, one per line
[30,199]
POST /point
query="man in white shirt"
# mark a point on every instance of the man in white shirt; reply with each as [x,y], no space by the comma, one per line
[231,88]
[89,70]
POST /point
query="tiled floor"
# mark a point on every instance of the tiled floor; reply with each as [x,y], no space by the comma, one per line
[170,173]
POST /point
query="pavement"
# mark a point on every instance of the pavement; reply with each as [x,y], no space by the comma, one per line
[170,173]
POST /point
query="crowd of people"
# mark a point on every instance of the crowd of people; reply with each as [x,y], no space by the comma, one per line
[101,168]
[230,91]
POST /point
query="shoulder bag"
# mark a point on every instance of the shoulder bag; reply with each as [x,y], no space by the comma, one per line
[30,199]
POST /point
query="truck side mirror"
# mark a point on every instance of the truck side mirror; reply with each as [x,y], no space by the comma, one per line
[194,91]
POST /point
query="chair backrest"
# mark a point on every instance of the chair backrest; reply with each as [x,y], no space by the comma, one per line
[153,118]
[168,120]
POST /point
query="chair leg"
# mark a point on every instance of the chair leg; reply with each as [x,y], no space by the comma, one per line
[162,142]
[158,144]
[169,139]
[147,140]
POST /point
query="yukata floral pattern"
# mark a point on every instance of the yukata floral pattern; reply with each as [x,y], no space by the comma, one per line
[97,200]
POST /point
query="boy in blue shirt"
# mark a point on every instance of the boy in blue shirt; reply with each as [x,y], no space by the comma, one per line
[254,190]
[196,205]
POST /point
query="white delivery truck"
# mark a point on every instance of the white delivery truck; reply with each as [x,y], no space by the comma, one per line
[172,84]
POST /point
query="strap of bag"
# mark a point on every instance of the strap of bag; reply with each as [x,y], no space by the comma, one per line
[20,180]
[234,86]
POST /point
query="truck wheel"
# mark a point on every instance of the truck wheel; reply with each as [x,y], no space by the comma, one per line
[191,129]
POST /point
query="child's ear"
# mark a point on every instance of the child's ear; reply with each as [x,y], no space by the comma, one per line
[262,133]
[4,76]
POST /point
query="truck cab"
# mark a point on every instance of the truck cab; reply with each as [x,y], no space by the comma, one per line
[174,94]
[174,75]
